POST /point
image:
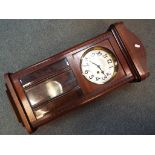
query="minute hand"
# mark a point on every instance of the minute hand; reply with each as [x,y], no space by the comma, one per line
[98,67]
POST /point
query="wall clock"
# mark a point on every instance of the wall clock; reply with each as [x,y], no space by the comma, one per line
[76,76]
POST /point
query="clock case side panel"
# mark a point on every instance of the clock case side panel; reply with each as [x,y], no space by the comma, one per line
[132,49]
[16,104]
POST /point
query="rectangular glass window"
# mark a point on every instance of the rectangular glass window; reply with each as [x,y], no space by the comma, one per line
[51,88]
[49,70]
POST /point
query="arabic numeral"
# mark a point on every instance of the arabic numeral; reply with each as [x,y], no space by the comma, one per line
[90,77]
[93,54]
[111,66]
[85,65]
[108,74]
[99,53]
[97,78]
[103,78]
[105,56]
[86,71]
[109,61]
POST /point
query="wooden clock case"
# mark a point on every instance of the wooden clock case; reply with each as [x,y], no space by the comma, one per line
[65,67]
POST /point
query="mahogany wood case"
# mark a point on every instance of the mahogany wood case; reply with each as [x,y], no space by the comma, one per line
[26,88]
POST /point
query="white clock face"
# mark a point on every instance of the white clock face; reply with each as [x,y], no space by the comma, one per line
[99,65]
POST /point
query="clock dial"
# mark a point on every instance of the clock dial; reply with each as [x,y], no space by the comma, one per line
[99,65]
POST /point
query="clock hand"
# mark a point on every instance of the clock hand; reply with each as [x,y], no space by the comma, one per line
[98,67]
[93,63]
[101,70]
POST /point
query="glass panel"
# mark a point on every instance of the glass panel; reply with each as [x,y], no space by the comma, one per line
[50,70]
[51,88]
[44,91]
[59,105]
